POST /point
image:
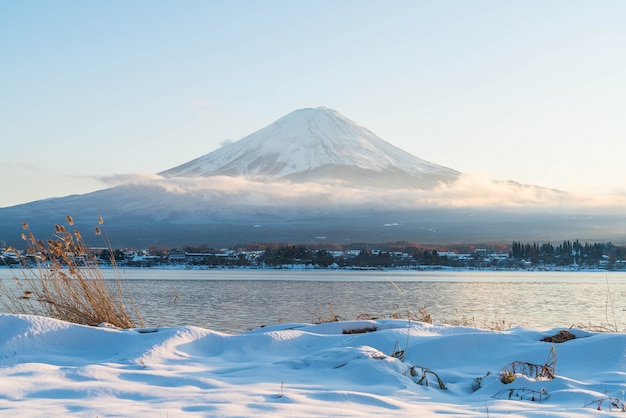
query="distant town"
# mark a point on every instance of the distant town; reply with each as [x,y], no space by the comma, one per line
[517,256]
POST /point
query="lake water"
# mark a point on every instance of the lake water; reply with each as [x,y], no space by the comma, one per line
[239,300]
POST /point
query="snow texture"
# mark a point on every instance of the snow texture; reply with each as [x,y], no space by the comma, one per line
[53,368]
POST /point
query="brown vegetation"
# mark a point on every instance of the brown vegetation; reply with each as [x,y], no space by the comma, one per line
[61,279]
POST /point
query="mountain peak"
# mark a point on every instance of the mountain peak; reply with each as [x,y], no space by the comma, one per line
[317,144]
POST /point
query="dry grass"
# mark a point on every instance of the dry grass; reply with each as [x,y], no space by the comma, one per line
[421,315]
[546,371]
[61,279]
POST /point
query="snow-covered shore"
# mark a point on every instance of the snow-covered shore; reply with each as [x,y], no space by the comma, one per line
[53,368]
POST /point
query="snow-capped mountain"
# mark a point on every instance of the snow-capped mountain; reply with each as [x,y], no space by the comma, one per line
[317,145]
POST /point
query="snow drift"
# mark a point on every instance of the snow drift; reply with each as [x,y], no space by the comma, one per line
[53,368]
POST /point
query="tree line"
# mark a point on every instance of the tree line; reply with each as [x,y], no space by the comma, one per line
[568,252]
[388,255]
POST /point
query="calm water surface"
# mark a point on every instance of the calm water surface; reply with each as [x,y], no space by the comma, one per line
[239,300]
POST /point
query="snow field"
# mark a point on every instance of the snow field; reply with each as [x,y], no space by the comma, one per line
[53,368]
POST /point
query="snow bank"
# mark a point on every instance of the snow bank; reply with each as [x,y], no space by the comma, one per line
[53,368]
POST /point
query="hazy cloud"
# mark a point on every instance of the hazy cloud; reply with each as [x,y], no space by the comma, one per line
[19,166]
[134,178]
[470,190]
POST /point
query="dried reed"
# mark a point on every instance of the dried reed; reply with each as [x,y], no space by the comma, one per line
[61,279]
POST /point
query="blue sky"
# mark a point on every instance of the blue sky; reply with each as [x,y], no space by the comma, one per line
[532,91]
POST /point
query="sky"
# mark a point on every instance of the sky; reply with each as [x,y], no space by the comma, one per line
[530,91]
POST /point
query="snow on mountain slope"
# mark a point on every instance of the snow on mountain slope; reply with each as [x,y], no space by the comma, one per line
[315,144]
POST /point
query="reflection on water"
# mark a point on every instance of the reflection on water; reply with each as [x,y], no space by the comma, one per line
[239,300]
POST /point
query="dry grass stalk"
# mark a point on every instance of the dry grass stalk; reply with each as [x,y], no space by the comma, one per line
[62,279]
[423,376]
[333,317]
[523,394]
[609,403]
[560,337]
[546,371]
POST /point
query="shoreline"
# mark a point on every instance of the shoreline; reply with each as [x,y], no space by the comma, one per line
[299,267]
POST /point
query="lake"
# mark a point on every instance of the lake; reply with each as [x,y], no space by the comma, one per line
[235,301]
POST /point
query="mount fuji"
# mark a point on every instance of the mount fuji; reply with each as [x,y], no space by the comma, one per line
[313,176]
[318,145]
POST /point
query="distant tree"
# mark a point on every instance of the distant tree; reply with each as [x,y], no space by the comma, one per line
[323,258]
[157,251]
[285,255]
